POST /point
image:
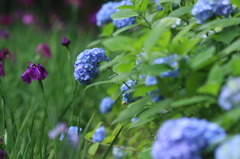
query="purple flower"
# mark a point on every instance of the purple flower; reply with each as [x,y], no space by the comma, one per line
[59,129]
[185,138]
[2,154]
[34,72]
[3,54]
[4,34]
[28,19]
[44,49]
[65,41]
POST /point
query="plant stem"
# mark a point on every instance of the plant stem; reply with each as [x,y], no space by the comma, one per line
[70,67]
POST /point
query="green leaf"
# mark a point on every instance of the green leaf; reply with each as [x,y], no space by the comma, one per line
[146,154]
[154,36]
[236,2]
[202,59]
[181,11]
[119,43]
[132,109]
[108,30]
[220,23]
[227,35]
[214,81]
[111,145]
[124,29]
[123,14]
[144,5]
[235,46]
[132,7]
[183,45]
[124,67]
[93,149]
[191,100]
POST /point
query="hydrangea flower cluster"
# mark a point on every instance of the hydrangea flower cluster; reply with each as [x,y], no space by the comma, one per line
[118,153]
[72,134]
[106,105]
[205,9]
[99,135]
[104,14]
[171,61]
[230,94]
[86,65]
[127,97]
[229,149]
[185,138]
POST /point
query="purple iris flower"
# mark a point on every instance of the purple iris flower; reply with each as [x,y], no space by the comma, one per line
[65,41]
[44,49]
[34,72]
[2,154]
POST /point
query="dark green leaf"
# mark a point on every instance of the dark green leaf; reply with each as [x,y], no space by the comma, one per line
[124,13]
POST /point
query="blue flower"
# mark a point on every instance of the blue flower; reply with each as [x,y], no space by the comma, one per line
[229,149]
[72,134]
[124,22]
[86,65]
[160,8]
[106,105]
[134,119]
[118,153]
[205,9]
[99,135]
[185,138]
[230,94]
[171,61]
[156,97]
[127,97]
[104,14]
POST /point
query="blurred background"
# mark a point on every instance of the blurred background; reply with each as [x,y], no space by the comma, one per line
[49,13]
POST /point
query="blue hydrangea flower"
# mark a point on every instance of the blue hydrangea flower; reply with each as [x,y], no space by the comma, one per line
[171,61]
[86,65]
[72,134]
[106,105]
[99,135]
[104,14]
[230,94]
[205,9]
[134,119]
[229,149]
[156,97]
[185,138]
[118,153]
[127,97]
[124,22]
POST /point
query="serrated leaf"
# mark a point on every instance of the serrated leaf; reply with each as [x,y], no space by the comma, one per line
[108,30]
[93,149]
[144,5]
[123,14]
[127,7]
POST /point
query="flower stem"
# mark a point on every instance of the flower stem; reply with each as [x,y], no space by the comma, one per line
[70,67]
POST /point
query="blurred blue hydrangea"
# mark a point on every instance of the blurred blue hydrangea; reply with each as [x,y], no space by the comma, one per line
[86,65]
[127,97]
[205,9]
[230,94]
[118,153]
[171,61]
[134,119]
[106,105]
[185,138]
[229,149]
[72,134]
[124,22]
[99,135]
[156,96]
[104,14]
